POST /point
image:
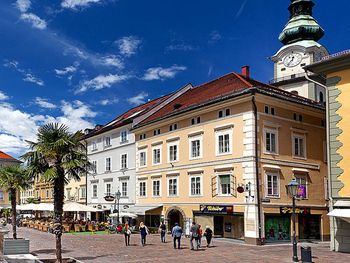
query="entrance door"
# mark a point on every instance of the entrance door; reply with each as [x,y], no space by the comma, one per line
[218,225]
[309,227]
[174,216]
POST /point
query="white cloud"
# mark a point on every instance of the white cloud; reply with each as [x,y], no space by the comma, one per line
[34,20]
[23,5]
[112,60]
[74,4]
[179,47]
[138,99]
[66,70]
[3,96]
[75,115]
[128,45]
[101,82]
[241,9]
[214,36]
[44,103]
[159,73]
[31,78]
[106,102]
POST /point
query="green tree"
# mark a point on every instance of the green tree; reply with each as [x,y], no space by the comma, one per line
[31,200]
[57,157]
[13,179]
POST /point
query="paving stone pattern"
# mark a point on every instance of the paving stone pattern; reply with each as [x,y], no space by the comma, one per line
[111,249]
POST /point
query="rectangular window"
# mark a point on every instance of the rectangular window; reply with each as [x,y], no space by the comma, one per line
[172,186]
[123,136]
[299,146]
[225,184]
[94,190]
[68,194]
[224,143]
[224,113]
[302,191]
[108,189]
[124,189]
[195,148]
[173,127]
[107,141]
[83,192]
[270,141]
[173,153]
[196,120]
[195,185]
[156,156]
[272,185]
[108,164]
[124,161]
[47,194]
[94,146]
[156,132]
[94,167]
[143,189]
[143,136]
[143,159]
[156,188]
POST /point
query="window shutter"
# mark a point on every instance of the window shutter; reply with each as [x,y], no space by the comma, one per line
[214,187]
[233,186]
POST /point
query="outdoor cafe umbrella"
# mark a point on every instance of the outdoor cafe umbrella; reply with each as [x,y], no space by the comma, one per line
[77,207]
[123,214]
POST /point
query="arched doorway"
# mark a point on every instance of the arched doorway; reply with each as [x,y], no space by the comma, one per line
[175,215]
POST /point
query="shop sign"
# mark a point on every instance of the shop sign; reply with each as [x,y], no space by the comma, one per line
[218,209]
[301,192]
[298,210]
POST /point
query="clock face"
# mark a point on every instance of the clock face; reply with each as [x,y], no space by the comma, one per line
[292,59]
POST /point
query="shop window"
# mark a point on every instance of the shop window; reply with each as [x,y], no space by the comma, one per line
[195,185]
[142,189]
[172,187]
[273,185]
[309,227]
[156,188]
[277,228]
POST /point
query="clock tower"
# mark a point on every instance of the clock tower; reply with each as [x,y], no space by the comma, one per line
[300,39]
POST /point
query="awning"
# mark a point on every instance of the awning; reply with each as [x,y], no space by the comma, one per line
[300,170]
[123,214]
[342,203]
[140,209]
[272,167]
[343,214]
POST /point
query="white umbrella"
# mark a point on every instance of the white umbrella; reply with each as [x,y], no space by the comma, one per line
[123,214]
[43,207]
[77,207]
[26,207]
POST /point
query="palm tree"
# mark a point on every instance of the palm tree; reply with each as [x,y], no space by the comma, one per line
[14,178]
[56,157]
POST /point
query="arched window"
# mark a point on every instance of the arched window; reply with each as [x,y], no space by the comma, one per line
[321,97]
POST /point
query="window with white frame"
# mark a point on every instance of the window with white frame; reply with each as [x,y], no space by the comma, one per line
[94,167]
[172,186]
[124,189]
[123,136]
[224,113]
[156,132]
[223,142]
[173,127]
[82,192]
[156,188]
[195,147]
[94,190]
[124,161]
[108,189]
[143,160]
[196,120]
[156,156]
[94,146]
[299,146]
[272,184]
[142,189]
[195,185]
[271,140]
[173,152]
[107,141]
[108,164]
[303,185]
[225,184]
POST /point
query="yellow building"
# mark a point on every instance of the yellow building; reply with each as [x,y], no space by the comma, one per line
[336,69]
[221,154]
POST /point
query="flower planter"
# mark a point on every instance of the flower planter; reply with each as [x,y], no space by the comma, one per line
[16,246]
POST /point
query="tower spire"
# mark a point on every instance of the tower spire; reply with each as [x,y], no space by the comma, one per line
[301,25]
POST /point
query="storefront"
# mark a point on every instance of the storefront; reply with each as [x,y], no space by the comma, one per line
[222,220]
[309,227]
[277,228]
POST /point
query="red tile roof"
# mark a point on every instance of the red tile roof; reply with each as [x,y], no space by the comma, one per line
[6,157]
[232,83]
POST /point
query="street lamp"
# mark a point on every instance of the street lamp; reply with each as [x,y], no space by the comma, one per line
[117,198]
[292,189]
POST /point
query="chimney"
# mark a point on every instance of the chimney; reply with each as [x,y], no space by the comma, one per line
[246,71]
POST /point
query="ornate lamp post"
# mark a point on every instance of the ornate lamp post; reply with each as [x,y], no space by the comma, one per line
[116,199]
[292,189]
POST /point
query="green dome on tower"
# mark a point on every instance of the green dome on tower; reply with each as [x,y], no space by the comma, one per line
[301,25]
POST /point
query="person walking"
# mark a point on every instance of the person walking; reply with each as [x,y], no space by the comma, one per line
[176,233]
[144,232]
[200,234]
[127,233]
[162,229]
[208,235]
[194,235]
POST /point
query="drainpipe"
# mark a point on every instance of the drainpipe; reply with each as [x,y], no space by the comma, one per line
[257,166]
[86,174]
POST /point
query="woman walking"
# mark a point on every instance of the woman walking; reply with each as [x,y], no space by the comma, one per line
[144,232]
[127,234]
[208,235]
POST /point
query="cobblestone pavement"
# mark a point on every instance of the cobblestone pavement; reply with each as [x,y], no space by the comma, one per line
[111,249]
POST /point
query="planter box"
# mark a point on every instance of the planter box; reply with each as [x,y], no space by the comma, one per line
[16,246]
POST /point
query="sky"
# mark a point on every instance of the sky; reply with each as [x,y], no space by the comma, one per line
[84,62]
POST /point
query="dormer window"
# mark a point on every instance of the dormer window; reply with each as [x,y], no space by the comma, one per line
[173,127]
[156,132]
[269,110]
[196,120]
[224,113]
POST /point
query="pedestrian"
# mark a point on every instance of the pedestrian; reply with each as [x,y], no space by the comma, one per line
[176,233]
[194,235]
[162,229]
[200,234]
[208,235]
[144,232]
[127,234]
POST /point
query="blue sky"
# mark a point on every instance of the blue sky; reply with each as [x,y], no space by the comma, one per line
[83,62]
